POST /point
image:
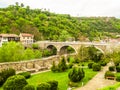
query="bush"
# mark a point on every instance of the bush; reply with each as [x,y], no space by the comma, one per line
[118,68]
[29,87]
[109,74]
[103,63]
[76,74]
[53,84]
[5,73]
[111,68]
[70,65]
[43,86]
[90,65]
[118,78]
[54,67]
[25,74]
[62,66]
[16,82]
[96,67]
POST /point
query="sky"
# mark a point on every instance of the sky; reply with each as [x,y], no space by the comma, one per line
[110,8]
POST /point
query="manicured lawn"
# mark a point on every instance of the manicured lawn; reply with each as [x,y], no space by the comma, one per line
[112,87]
[62,78]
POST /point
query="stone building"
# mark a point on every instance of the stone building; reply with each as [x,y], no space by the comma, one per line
[8,37]
[26,38]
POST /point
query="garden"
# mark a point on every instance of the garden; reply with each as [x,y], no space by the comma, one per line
[70,72]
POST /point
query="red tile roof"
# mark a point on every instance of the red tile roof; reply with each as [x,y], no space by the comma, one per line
[26,35]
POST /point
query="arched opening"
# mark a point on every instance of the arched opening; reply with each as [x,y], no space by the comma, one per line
[95,53]
[90,53]
[52,49]
[66,50]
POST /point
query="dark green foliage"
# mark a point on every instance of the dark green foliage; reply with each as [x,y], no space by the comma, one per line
[25,74]
[54,67]
[5,73]
[16,82]
[29,87]
[35,46]
[96,67]
[103,63]
[109,74]
[95,54]
[70,65]
[118,78]
[90,64]
[43,86]
[111,68]
[62,66]
[76,74]
[53,85]
[118,68]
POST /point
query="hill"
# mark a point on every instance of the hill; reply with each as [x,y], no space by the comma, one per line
[58,27]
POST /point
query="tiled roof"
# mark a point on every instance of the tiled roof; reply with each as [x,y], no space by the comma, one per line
[9,35]
[26,35]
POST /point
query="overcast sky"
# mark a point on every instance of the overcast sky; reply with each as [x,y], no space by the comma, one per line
[73,7]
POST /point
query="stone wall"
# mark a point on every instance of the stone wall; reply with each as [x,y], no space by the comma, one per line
[33,65]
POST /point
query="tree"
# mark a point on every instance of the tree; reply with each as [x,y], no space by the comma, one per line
[11,52]
[62,66]
[76,74]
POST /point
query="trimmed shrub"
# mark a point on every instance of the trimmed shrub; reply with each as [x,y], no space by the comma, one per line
[118,78]
[53,84]
[111,68]
[16,82]
[103,63]
[54,67]
[96,67]
[43,86]
[76,74]
[62,66]
[118,68]
[90,64]
[109,74]
[5,73]
[25,74]
[29,87]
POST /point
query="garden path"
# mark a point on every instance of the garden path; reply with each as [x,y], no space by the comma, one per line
[98,81]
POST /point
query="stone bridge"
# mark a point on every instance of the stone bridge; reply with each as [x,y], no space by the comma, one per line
[60,46]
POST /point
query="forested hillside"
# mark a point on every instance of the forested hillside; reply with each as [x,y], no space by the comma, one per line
[58,27]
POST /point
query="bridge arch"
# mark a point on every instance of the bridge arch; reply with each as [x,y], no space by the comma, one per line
[96,48]
[65,49]
[52,48]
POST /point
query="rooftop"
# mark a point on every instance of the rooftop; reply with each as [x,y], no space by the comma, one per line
[9,35]
[26,34]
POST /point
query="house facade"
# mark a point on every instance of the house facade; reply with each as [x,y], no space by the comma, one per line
[4,38]
[26,38]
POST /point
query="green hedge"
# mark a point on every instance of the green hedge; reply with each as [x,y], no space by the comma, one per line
[16,82]
[43,86]
[25,74]
[53,84]
[29,87]
[96,67]
[5,73]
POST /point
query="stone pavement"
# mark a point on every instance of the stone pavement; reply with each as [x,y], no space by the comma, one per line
[98,81]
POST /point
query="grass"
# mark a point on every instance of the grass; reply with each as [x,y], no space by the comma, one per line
[62,78]
[112,87]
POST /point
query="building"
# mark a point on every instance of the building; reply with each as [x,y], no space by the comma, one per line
[8,37]
[26,38]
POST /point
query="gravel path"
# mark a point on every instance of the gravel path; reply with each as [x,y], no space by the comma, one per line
[98,81]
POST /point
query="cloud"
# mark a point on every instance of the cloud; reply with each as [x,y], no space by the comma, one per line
[73,7]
